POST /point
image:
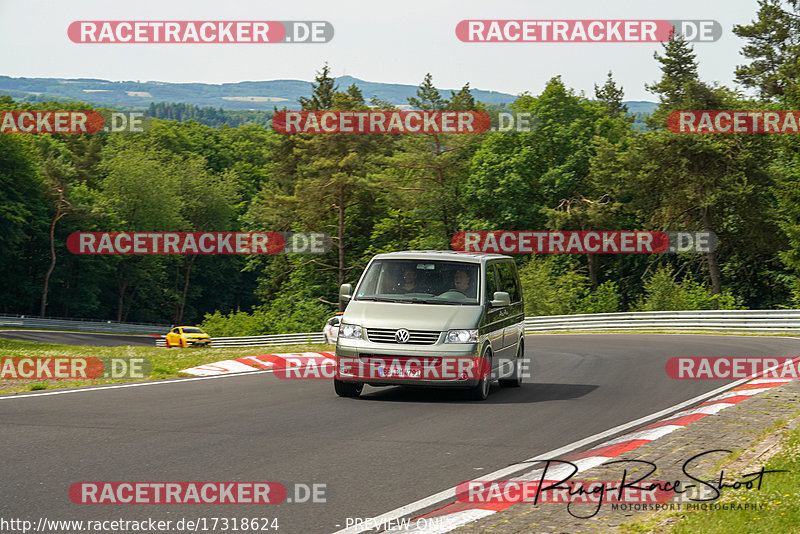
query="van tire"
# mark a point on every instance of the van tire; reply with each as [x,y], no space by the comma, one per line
[347,389]
[515,380]
[481,391]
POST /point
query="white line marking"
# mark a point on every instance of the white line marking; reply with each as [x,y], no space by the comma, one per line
[563,471]
[219,368]
[739,393]
[771,380]
[650,434]
[707,410]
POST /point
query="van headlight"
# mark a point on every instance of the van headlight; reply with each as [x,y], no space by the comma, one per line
[350,331]
[461,336]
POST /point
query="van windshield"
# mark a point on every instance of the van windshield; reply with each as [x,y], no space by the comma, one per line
[420,281]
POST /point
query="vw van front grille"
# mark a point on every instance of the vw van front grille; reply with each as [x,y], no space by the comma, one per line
[416,337]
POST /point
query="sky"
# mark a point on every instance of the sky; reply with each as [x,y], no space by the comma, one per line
[392,42]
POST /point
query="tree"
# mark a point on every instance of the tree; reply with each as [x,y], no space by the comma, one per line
[58,173]
[584,214]
[679,72]
[207,203]
[320,183]
[708,176]
[611,96]
[24,219]
[427,170]
[773,46]
[141,191]
[530,180]
[322,92]
[680,87]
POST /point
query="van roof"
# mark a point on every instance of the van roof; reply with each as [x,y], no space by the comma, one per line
[444,255]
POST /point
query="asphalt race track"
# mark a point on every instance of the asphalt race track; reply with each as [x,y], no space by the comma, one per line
[78,338]
[389,448]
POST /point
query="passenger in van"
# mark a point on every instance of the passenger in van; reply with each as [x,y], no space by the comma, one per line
[408,281]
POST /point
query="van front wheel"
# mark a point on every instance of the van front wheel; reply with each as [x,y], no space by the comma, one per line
[347,389]
[481,391]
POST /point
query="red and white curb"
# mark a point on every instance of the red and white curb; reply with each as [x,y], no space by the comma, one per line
[462,512]
[259,363]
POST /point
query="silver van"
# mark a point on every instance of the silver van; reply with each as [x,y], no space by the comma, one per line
[432,318]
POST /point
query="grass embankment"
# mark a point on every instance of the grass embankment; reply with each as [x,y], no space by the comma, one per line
[165,363]
[773,508]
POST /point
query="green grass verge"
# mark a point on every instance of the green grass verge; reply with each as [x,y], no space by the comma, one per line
[36,329]
[775,507]
[166,363]
[780,495]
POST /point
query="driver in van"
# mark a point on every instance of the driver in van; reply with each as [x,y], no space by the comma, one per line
[461,282]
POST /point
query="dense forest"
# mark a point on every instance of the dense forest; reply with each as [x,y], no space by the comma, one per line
[210,116]
[582,167]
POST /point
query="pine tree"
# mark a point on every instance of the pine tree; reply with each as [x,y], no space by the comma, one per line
[322,92]
[679,68]
[774,50]
[611,97]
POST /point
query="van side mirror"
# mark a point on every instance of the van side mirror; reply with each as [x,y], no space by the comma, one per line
[345,292]
[501,299]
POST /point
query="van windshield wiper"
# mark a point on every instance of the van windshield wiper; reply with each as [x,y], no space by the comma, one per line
[432,301]
[376,299]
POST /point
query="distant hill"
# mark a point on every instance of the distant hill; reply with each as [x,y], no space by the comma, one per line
[242,95]
[640,106]
[264,95]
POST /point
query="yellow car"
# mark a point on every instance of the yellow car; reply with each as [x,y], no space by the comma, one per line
[187,336]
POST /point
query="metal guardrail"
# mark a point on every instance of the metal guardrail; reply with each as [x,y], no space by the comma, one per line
[261,341]
[82,325]
[694,320]
[722,320]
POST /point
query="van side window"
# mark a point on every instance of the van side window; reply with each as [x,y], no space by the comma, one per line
[508,280]
[491,282]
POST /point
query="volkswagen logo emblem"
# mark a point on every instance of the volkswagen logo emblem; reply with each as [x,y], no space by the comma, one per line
[402,335]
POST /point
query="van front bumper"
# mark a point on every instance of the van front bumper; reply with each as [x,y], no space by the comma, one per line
[383,364]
